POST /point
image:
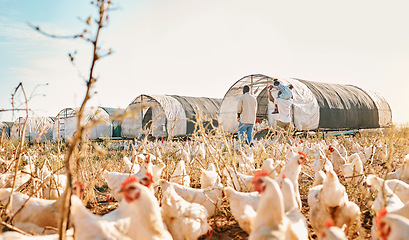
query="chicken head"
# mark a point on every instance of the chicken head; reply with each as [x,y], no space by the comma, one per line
[302,158]
[147,180]
[258,181]
[130,189]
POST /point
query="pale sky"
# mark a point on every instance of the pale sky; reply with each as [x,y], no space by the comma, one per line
[202,47]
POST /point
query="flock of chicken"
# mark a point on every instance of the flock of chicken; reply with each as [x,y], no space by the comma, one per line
[263,194]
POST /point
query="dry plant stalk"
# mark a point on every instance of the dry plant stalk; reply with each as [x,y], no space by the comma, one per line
[2,135]
[19,152]
[103,8]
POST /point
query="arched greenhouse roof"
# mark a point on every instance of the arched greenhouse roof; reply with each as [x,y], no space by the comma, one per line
[316,105]
[170,115]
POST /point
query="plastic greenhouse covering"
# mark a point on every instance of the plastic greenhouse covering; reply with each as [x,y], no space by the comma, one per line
[316,105]
[166,115]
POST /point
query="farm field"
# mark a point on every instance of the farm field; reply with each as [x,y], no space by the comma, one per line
[381,152]
[120,120]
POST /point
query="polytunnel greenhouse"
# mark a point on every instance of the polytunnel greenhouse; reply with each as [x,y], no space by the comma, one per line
[316,105]
[66,123]
[168,115]
[37,129]
[6,127]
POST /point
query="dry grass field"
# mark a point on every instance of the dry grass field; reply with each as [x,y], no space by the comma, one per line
[93,157]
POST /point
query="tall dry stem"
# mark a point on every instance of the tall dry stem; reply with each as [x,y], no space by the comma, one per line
[103,7]
[19,152]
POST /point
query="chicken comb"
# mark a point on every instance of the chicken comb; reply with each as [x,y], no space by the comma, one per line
[302,154]
[329,223]
[130,179]
[108,198]
[330,148]
[380,215]
[260,173]
[284,176]
[149,176]
[78,183]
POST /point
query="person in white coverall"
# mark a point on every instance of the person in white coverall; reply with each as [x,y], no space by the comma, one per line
[284,110]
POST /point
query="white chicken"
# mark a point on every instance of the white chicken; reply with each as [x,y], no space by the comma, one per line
[391,226]
[319,178]
[400,188]
[54,186]
[210,198]
[148,167]
[140,206]
[271,166]
[290,153]
[386,200]
[199,151]
[343,151]
[355,146]
[38,216]
[292,171]
[368,153]
[237,180]
[403,211]
[321,161]
[157,171]
[332,232]
[401,173]
[12,235]
[237,202]
[184,153]
[330,202]
[184,220]
[209,177]
[90,226]
[269,224]
[333,193]
[23,176]
[381,151]
[298,222]
[44,172]
[115,179]
[354,167]
[364,153]
[336,158]
[180,175]
[386,197]
[246,163]
[6,164]
[129,166]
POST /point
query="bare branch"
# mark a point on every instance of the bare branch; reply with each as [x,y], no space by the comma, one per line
[20,147]
[103,6]
[38,29]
